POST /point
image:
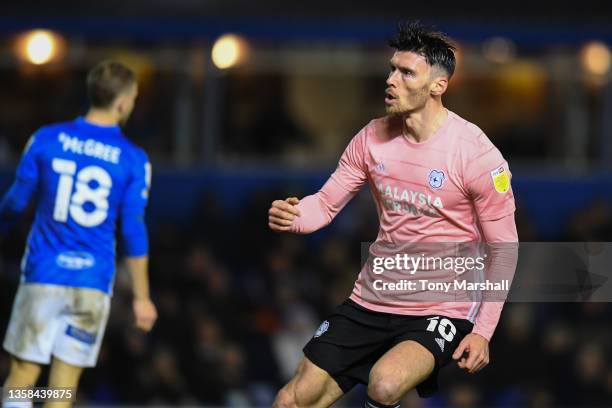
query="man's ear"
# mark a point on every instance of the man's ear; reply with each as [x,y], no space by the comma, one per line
[120,104]
[438,85]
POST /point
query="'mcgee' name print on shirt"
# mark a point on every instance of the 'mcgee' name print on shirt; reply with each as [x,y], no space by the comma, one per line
[408,201]
[90,147]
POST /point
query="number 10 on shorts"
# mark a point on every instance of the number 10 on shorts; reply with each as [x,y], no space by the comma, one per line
[446,328]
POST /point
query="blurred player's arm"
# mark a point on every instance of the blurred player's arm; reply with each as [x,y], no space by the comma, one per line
[145,312]
[136,245]
[17,198]
[318,210]
[14,203]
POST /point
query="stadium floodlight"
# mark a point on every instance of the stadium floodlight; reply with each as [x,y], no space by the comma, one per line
[39,47]
[228,51]
[595,58]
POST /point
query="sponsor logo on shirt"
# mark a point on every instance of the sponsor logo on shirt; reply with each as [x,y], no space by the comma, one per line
[501,180]
[75,260]
[408,201]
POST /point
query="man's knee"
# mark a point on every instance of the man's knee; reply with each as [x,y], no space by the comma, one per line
[385,390]
[307,393]
[307,389]
[298,394]
[285,398]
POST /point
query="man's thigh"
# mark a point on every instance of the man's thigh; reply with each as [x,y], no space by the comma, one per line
[439,336]
[349,342]
[311,387]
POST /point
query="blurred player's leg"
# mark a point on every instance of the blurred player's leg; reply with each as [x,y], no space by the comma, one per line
[63,375]
[398,371]
[311,387]
[22,373]
[30,335]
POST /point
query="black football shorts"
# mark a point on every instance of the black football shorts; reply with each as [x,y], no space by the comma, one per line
[350,341]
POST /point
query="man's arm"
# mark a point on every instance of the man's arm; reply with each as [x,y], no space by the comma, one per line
[502,237]
[14,203]
[318,210]
[502,260]
[488,182]
[144,309]
[16,200]
[136,244]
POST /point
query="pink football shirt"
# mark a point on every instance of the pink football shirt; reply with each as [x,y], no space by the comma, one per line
[439,190]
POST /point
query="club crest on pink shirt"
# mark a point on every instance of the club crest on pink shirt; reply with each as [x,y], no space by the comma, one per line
[436,178]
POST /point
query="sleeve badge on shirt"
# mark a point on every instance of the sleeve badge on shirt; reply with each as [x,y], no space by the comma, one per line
[501,180]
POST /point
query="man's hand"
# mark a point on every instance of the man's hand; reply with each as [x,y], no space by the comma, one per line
[282,213]
[477,348]
[145,314]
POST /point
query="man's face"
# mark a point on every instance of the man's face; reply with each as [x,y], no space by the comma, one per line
[125,103]
[408,84]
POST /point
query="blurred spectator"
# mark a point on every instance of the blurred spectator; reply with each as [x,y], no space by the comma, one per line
[298,324]
[591,224]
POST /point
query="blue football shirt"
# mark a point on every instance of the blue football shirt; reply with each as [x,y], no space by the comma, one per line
[85,178]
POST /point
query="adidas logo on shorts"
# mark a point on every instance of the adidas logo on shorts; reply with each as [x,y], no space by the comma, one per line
[440,343]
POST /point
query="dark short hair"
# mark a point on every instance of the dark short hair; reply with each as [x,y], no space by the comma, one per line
[106,81]
[435,46]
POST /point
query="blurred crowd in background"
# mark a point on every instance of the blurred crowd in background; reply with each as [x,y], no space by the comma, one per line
[236,301]
[259,96]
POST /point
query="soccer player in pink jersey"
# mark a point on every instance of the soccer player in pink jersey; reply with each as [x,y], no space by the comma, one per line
[435,178]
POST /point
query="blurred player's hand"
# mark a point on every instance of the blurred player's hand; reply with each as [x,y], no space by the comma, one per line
[145,314]
[282,213]
[477,348]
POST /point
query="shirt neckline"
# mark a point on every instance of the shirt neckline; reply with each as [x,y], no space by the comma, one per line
[82,120]
[441,130]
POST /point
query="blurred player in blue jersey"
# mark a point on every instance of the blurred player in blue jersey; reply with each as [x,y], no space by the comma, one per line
[86,176]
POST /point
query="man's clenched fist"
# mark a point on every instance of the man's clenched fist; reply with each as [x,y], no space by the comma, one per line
[282,213]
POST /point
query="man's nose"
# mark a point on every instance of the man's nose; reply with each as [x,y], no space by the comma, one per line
[390,78]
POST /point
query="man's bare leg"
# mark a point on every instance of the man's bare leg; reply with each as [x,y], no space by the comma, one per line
[63,375]
[22,374]
[398,371]
[312,387]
